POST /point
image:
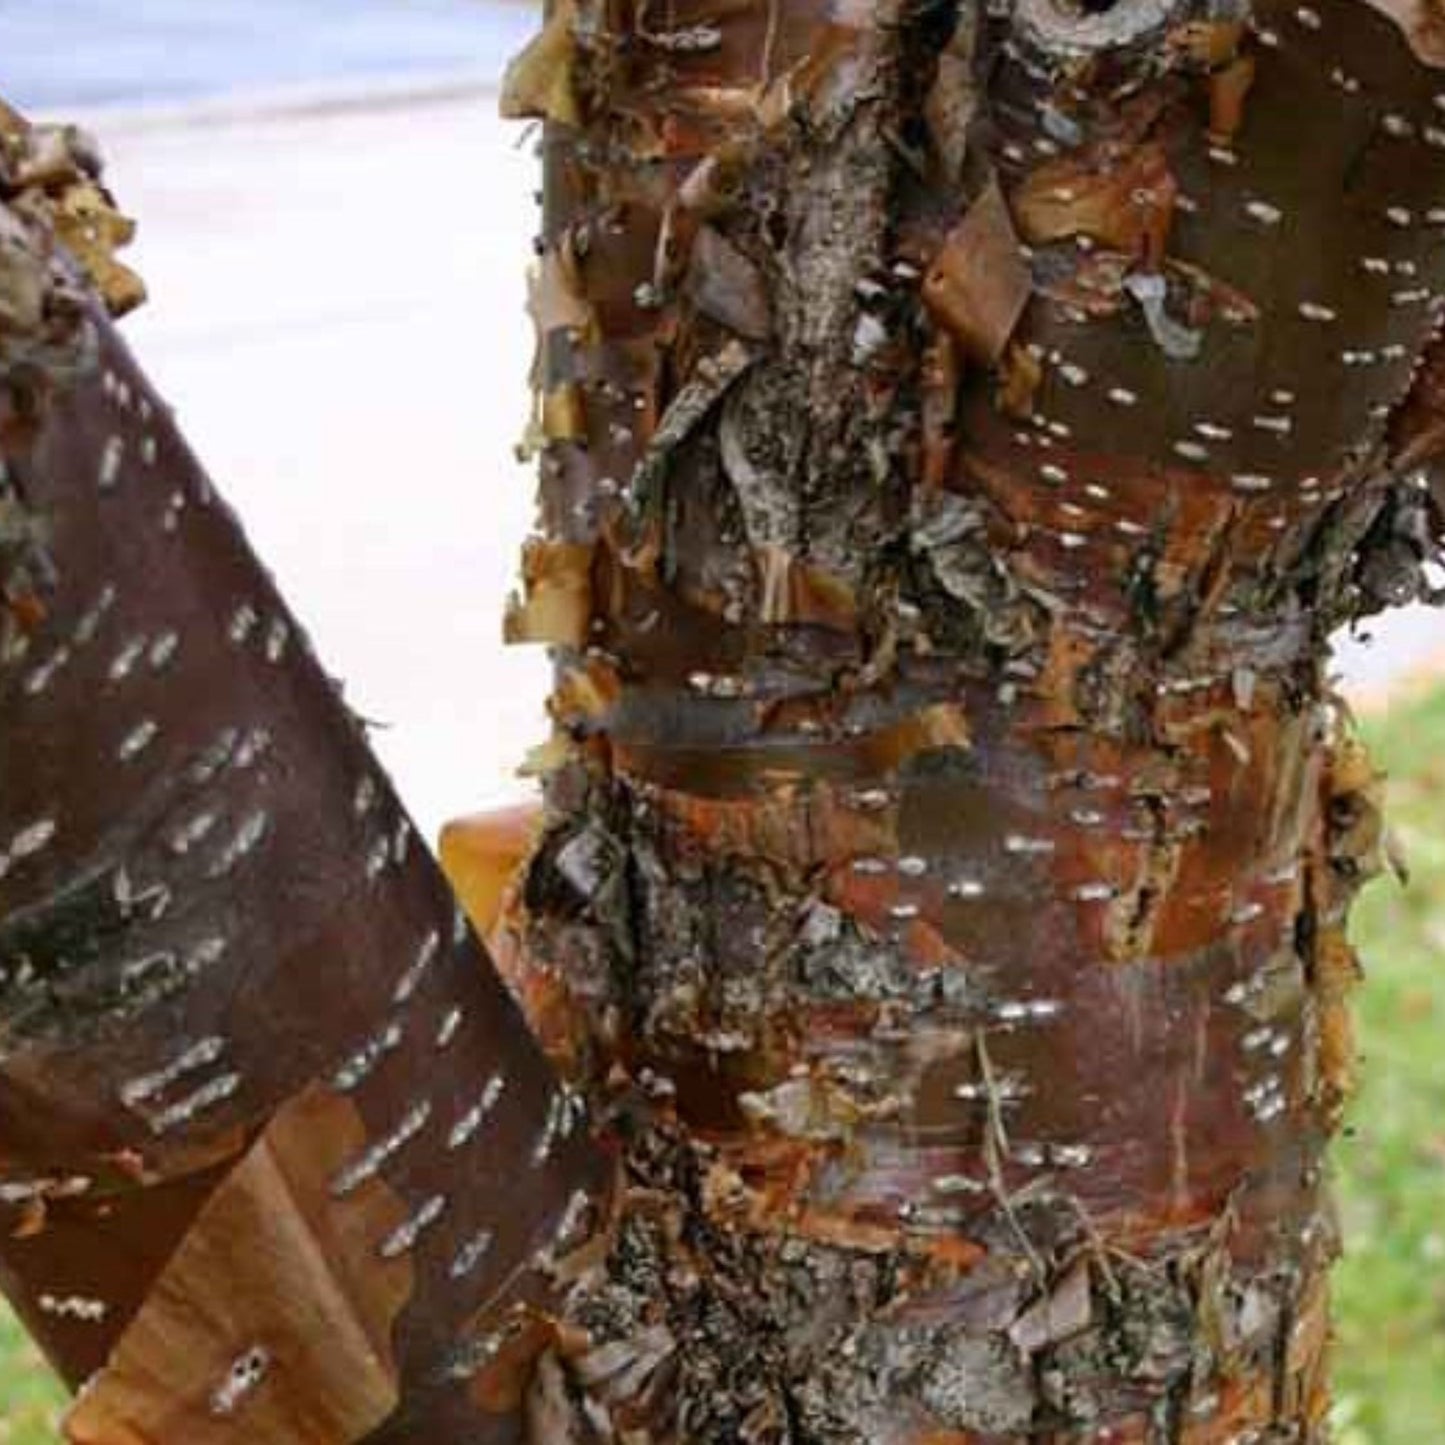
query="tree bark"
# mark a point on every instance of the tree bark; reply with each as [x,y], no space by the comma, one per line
[278,1157]
[960,434]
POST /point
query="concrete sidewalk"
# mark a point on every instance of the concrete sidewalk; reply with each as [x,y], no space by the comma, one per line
[337,314]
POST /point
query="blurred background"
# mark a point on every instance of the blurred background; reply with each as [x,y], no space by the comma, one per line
[335,229]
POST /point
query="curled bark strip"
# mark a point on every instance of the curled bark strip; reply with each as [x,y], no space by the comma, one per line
[1423,25]
[1118,194]
[217,1347]
[539,82]
[948,837]
[50,179]
[979,285]
[1066,31]
[557,606]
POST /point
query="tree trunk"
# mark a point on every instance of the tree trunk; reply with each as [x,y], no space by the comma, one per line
[960,433]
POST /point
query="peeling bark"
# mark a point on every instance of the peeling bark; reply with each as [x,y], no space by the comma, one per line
[959,434]
[962,966]
[278,1158]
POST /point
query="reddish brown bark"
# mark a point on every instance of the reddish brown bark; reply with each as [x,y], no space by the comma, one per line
[970,430]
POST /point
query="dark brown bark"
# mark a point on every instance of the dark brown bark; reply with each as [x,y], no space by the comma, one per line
[278,1157]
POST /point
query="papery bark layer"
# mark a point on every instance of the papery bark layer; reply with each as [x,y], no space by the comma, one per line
[963,432]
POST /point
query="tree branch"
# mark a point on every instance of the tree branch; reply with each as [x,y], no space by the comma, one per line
[278,1156]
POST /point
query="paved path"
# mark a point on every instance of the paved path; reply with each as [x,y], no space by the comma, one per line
[1390,652]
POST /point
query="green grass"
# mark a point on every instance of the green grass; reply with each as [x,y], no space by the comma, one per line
[1390,1363]
[1390,1372]
[29,1399]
